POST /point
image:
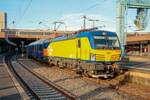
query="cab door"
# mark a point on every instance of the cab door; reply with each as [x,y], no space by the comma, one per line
[85,47]
[78,48]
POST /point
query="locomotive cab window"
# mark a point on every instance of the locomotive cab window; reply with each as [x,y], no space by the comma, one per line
[106,42]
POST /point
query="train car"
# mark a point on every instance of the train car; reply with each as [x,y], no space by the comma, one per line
[38,49]
[93,53]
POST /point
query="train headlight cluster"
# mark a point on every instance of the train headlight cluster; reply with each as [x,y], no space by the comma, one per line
[93,57]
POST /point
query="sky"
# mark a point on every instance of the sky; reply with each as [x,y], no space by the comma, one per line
[40,14]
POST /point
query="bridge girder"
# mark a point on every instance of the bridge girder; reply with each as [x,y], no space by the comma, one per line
[122,6]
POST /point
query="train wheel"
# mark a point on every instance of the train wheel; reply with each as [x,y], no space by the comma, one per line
[79,70]
[86,74]
[59,64]
[91,74]
[51,64]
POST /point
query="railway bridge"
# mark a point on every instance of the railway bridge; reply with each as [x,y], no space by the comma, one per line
[20,37]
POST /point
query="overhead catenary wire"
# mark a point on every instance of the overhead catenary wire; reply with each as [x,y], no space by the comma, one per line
[82,11]
[58,22]
[86,9]
[25,11]
[83,16]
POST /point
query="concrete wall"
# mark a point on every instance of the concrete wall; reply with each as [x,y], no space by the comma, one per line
[2,34]
[3,20]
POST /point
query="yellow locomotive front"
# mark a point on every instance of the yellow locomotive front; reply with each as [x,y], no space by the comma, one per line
[106,48]
[104,54]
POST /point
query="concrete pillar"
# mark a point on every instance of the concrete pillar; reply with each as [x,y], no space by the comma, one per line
[120,22]
[0,49]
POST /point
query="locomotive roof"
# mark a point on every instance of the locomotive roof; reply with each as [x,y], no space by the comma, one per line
[99,32]
[85,34]
[82,34]
[41,41]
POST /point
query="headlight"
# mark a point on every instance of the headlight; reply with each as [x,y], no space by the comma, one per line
[93,57]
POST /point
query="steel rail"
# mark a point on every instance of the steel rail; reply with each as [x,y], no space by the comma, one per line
[38,86]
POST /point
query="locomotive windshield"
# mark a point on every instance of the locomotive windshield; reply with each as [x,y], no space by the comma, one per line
[106,42]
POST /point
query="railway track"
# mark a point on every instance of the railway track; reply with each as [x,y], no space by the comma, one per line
[116,85]
[109,84]
[112,83]
[37,87]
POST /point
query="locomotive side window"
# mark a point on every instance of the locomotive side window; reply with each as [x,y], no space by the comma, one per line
[79,44]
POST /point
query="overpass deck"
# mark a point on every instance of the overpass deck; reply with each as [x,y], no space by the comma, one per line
[31,34]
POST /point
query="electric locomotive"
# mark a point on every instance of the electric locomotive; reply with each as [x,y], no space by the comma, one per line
[93,53]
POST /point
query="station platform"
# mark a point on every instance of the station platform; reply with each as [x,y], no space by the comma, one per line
[8,90]
[139,63]
[139,70]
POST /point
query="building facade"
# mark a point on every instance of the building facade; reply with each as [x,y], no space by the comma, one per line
[138,44]
[3,21]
